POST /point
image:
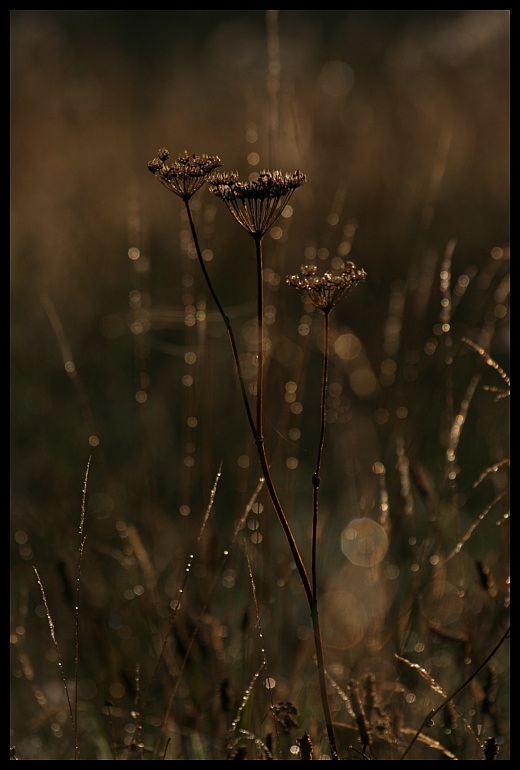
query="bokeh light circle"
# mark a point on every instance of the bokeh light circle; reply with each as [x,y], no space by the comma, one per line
[364,542]
[441,603]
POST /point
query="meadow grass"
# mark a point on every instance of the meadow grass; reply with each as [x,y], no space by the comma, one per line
[294,519]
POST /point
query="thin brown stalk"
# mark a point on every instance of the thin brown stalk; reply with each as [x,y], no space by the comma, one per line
[260,334]
[135,736]
[264,656]
[60,663]
[238,527]
[428,720]
[223,315]
[257,431]
[82,540]
[316,477]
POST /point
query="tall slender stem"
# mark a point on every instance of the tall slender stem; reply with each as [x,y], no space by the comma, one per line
[258,436]
[260,337]
[316,477]
[257,431]
[224,318]
[318,643]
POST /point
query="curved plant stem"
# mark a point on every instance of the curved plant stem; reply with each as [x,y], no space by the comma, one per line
[428,721]
[260,333]
[257,431]
[316,478]
[224,317]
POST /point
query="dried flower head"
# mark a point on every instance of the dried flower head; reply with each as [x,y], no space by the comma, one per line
[326,291]
[256,205]
[186,175]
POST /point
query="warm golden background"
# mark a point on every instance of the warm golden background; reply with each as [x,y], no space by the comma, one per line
[400,120]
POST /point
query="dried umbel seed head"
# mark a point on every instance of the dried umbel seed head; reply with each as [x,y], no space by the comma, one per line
[327,290]
[186,175]
[256,205]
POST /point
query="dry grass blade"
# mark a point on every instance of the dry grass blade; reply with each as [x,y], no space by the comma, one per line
[489,361]
[60,662]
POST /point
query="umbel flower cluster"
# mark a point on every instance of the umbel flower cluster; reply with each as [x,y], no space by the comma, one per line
[256,205]
[186,175]
[326,291]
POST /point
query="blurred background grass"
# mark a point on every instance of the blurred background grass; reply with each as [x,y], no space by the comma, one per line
[400,120]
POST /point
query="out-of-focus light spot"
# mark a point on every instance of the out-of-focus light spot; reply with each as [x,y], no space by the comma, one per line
[294,434]
[26,552]
[187,380]
[347,347]
[364,542]
[381,416]
[189,462]
[116,690]
[276,233]
[184,510]
[292,463]
[207,255]
[253,158]
[270,683]
[93,440]
[441,603]
[296,407]
[190,357]
[392,572]
[192,422]
[141,396]
[402,412]
[243,461]
[344,248]
[228,579]
[69,367]
[333,219]
[287,212]
[134,253]
[336,78]
[363,382]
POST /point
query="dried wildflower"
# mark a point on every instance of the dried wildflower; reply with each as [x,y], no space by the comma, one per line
[186,175]
[326,291]
[256,205]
